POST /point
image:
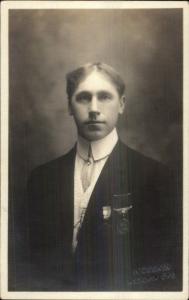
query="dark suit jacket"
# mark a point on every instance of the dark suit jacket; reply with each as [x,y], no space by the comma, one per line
[140,251]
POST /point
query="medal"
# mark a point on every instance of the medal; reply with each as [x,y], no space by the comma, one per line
[122,219]
[122,211]
[106,211]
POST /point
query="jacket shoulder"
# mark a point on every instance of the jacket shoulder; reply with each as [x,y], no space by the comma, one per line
[149,172]
[56,164]
[137,158]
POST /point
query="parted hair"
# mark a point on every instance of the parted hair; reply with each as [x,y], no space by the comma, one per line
[74,78]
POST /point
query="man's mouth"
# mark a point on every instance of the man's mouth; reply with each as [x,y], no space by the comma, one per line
[94,122]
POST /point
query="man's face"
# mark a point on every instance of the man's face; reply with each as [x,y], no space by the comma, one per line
[95,106]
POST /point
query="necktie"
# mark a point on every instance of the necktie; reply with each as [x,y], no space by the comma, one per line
[87,171]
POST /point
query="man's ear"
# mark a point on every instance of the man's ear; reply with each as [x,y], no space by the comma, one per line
[122,104]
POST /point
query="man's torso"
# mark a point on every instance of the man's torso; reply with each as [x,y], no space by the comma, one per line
[130,236]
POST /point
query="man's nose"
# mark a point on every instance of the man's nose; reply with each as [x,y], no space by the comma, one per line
[94,108]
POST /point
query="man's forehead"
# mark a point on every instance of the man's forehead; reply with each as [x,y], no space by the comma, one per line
[96,80]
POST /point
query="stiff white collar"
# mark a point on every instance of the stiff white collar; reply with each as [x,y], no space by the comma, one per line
[100,148]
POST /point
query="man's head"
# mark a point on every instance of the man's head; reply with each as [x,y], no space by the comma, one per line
[96,98]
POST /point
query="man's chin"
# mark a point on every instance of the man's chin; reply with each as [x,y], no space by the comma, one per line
[93,136]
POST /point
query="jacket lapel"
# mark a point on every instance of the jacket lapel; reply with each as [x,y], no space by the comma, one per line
[66,197]
[100,244]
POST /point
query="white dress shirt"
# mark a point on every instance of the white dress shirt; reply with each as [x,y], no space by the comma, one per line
[101,149]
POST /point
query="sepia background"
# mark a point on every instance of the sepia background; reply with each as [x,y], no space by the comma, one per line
[145,46]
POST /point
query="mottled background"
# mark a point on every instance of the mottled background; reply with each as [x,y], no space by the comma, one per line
[145,46]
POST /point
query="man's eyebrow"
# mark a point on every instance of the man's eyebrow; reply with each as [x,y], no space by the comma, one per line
[86,93]
[83,93]
[98,92]
[104,92]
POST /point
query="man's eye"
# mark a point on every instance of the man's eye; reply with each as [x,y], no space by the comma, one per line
[104,96]
[83,97]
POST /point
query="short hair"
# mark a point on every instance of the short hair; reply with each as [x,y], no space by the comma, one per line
[74,78]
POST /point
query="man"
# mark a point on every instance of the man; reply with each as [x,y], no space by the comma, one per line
[103,217]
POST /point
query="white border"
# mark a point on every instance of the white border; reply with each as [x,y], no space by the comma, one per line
[5,6]
[93,4]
